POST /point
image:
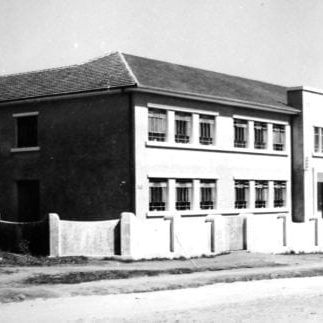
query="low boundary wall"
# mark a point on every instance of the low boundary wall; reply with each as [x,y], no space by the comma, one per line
[163,237]
[86,238]
[25,237]
[277,234]
[180,236]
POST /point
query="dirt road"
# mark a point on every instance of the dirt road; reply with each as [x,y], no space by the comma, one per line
[281,300]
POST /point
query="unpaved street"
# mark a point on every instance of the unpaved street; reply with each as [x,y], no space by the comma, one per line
[281,300]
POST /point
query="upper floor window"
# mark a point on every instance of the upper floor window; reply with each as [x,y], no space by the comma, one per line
[261,194]
[184,193]
[260,129]
[157,195]
[206,130]
[26,131]
[241,194]
[279,193]
[157,125]
[279,137]
[208,192]
[240,133]
[183,126]
[318,140]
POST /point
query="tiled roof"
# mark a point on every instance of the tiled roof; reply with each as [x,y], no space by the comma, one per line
[123,70]
[180,78]
[102,73]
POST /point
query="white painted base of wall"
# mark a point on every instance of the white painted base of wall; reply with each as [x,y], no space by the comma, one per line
[81,238]
[173,237]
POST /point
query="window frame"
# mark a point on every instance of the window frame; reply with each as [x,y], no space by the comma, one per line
[182,184]
[157,136]
[209,120]
[183,121]
[242,203]
[261,194]
[158,183]
[281,185]
[241,124]
[208,204]
[281,143]
[260,135]
[20,148]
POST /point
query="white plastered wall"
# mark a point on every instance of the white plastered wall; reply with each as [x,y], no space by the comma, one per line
[222,163]
[313,162]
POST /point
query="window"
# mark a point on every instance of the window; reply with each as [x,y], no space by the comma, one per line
[206,130]
[27,131]
[208,192]
[278,137]
[261,194]
[183,123]
[184,194]
[279,194]
[241,194]
[318,140]
[157,195]
[240,133]
[260,129]
[156,125]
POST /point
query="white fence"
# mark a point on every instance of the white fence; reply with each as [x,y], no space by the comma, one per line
[183,236]
[180,236]
[86,238]
[277,234]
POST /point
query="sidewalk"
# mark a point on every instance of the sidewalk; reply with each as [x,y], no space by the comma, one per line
[102,277]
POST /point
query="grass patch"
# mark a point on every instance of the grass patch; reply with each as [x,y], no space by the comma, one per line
[180,258]
[88,276]
[13,259]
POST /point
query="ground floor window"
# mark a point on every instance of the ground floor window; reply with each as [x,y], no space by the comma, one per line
[208,194]
[183,194]
[241,194]
[279,193]
[261,194]
[157,195]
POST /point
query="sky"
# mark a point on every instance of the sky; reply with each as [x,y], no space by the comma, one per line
[276,41]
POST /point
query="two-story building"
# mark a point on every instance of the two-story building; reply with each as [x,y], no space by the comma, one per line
[127,133]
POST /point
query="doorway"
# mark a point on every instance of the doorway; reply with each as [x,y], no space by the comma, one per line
[28,200]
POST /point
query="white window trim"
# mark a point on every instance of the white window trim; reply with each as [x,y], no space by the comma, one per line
[195,204]
[212,147]
[24,149]
[250,118]
[25,114]
[182,109]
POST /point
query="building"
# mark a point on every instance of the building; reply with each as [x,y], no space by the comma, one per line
[163,141]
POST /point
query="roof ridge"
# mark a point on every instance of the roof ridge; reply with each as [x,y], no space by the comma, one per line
[131,72]
[60,67]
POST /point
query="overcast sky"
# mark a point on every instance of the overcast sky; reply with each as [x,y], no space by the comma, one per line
[278,41]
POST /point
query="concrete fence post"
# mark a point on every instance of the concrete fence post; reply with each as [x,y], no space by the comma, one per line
[126,234]
[316,243]
[54,235]
[211,220]
[171,232]
[283,217]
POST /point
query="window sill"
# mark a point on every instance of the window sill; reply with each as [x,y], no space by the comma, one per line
[24,149]
[317,155]
[156,144]
[195,213]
